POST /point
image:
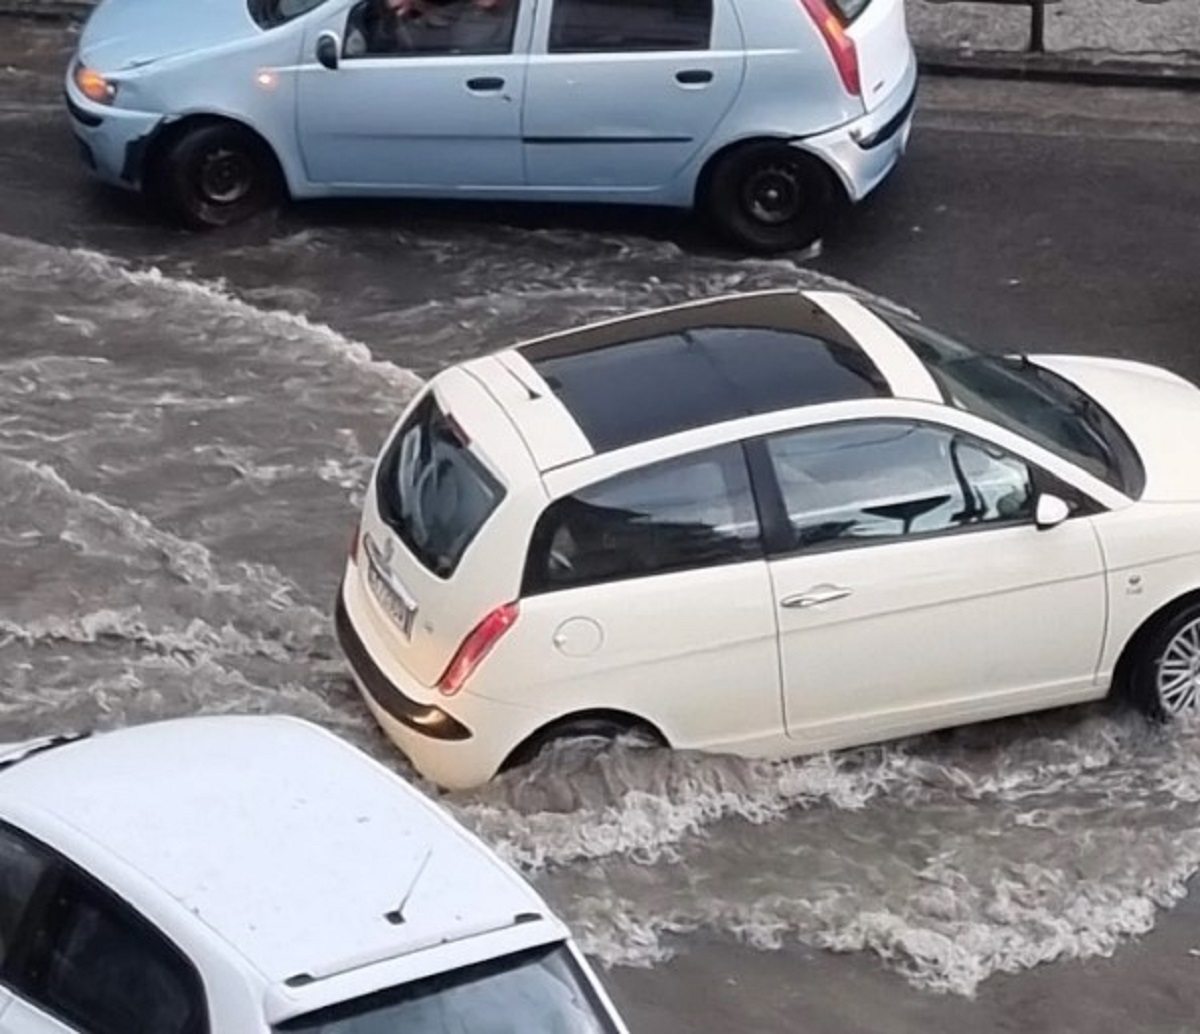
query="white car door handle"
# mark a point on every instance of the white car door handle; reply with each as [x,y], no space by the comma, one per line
[821,594]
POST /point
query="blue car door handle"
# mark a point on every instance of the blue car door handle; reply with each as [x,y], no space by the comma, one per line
[487,82]
[694,76]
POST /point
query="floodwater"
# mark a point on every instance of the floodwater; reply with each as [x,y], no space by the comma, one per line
[181,460]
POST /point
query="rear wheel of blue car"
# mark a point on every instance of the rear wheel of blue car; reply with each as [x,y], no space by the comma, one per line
[215,174]
[768,197]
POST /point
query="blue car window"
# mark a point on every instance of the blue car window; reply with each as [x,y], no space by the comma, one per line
[271,13]
[411,28]
[591,26]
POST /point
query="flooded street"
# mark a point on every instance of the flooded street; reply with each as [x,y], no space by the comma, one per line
[185,428]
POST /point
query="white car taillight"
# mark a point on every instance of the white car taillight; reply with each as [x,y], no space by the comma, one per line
[476,646]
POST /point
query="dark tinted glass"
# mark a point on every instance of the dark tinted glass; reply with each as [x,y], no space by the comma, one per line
[536,991]
[1029,400]
[850,9]
[624,25]
[109,973]
[883,480]
[646,389]
[21,867]
[270,13]
[689,512]
[432,491]
[437,27]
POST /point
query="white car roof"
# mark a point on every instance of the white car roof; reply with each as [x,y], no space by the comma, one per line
[287,842]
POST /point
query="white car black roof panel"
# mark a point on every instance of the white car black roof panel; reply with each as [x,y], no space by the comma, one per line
[650,376]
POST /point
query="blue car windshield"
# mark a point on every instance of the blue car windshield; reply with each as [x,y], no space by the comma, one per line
[270,13]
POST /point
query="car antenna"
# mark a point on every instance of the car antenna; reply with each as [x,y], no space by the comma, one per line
[396,917]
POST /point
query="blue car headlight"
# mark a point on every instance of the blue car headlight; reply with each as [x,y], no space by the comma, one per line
[93,85]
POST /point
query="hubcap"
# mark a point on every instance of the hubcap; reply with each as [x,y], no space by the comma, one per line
[773,194]
[226,176]
[1179,671]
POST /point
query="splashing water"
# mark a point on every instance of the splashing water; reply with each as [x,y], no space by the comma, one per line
[182,463]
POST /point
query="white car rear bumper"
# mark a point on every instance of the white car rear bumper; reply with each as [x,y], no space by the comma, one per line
[457,742]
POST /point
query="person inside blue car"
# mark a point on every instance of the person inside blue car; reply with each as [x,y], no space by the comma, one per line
[484,26]
[430,26]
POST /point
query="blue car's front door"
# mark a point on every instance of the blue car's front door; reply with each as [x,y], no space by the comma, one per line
[621,94]
[430,104]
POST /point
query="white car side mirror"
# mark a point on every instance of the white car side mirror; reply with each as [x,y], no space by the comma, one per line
[1051,511]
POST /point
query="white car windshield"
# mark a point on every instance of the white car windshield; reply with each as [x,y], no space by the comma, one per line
[541,991]
[1028,399]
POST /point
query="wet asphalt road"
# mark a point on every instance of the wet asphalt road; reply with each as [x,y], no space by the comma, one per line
[1025,216]
[1028,217]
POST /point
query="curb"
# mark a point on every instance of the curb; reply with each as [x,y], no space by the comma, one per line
[1061,68]
[937,61]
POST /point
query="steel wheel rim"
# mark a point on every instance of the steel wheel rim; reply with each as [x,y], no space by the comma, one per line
[774,194]
[225,176]
[1179,671]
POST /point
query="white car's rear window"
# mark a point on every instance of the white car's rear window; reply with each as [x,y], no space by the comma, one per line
[541,991]
[433,491]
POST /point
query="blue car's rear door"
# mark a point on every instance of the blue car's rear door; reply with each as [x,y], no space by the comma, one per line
[621,94]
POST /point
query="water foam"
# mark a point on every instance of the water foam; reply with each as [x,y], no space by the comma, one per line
[950,858]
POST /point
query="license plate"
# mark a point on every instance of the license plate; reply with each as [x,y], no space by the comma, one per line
[394,602]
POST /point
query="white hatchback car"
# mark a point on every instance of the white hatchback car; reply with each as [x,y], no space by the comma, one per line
[770,524]
[240,875]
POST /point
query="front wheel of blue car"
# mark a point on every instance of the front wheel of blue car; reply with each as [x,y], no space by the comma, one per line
[215,174]
[769,197]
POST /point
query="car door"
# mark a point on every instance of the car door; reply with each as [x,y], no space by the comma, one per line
[622,94]
[650,593]
[429,105]
[913,587]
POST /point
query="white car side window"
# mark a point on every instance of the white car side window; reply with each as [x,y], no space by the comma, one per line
[692,511]
[21,867]
[886,479]
[109,971]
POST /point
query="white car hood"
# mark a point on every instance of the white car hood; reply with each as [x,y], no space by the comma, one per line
[1159,410]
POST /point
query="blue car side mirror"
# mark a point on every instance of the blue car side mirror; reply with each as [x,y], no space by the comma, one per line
[328,50]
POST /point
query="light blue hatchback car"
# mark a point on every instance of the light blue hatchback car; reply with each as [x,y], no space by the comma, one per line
[766,115]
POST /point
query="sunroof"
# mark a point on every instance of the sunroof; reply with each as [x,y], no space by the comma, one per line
[635,391]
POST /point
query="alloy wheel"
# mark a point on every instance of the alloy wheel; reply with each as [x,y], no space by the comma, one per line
[1178,681]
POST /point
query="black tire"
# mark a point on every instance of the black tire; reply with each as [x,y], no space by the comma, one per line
[1164,676]
[215,175]
[598,729]
[768,197]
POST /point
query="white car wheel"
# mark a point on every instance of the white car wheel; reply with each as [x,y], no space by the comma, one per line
[1165,679]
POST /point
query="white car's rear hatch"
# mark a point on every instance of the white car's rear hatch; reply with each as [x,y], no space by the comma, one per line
[446,525]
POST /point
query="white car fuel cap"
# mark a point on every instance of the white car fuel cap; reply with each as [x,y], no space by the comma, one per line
[578,637]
